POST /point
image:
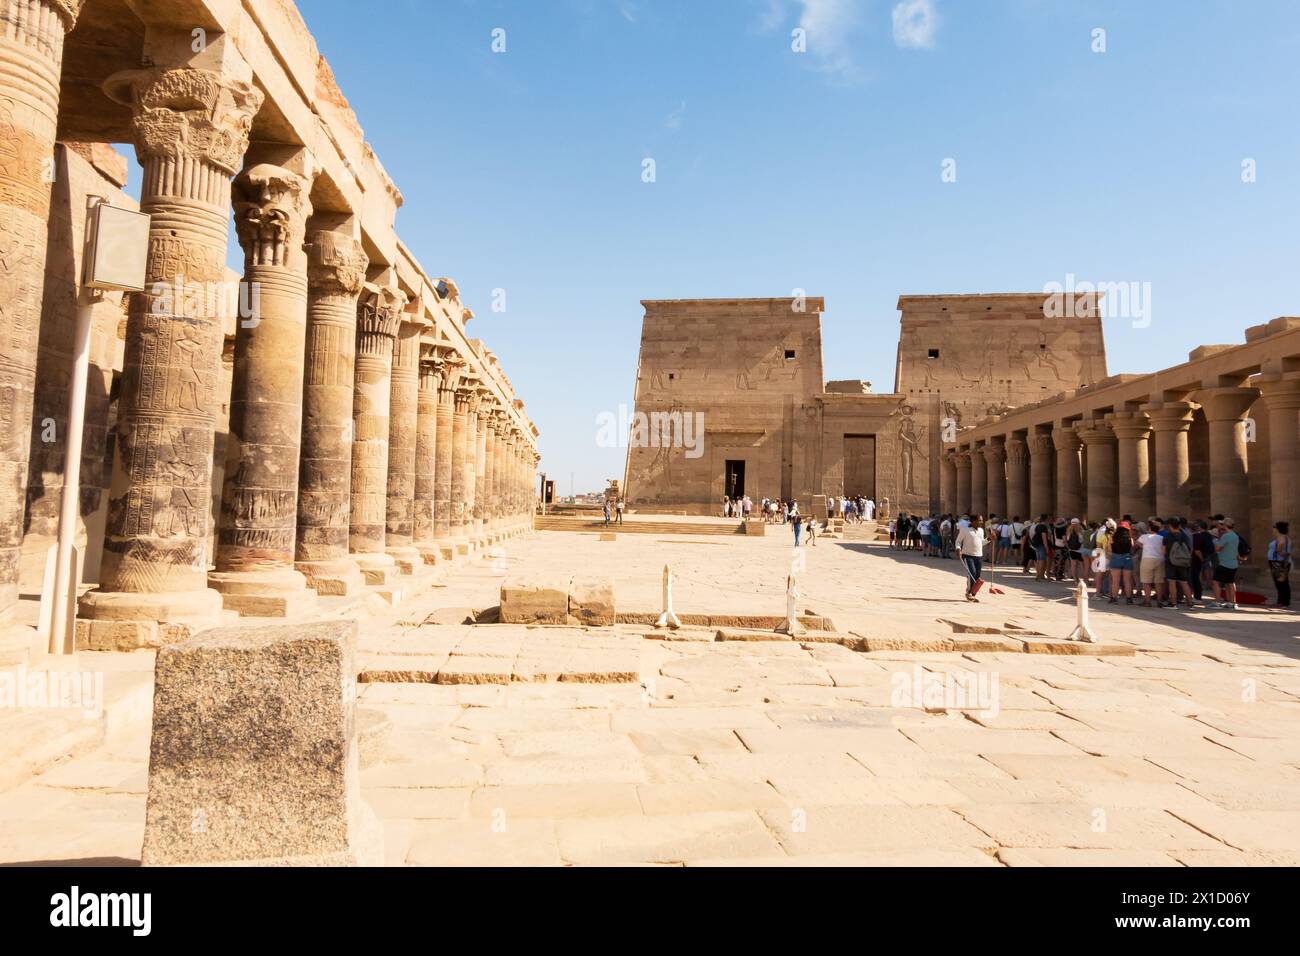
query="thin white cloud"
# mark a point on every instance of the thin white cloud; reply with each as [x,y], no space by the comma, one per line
[773,15]
[674,120]
[828,24]
[915,24]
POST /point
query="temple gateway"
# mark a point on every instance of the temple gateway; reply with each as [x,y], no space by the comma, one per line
[1002,404]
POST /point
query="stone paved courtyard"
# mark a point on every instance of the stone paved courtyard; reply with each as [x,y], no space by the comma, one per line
[549,746]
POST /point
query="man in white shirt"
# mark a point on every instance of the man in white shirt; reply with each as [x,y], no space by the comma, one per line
[1151,567]
[970,551]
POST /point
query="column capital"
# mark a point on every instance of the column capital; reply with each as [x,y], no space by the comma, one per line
[1094,431]
[271,209]
[1129,424]
[1226,403]
[1281,391]
[1066,438]
[1040,443]
[1170,416]
[188,113]
[431,375]
[67,10]
[1017,451]
[994,452]
[336,263]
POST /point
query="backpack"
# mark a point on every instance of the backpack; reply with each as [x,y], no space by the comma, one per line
[1180,555]
[1122,542]
[1243,548]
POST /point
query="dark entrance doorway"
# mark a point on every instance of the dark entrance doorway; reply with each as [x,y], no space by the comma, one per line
[860,465]
[735,479]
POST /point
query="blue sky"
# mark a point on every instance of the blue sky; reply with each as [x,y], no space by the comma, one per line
[821,170]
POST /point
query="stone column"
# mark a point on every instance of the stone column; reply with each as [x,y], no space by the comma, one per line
[1041,464]
[442,504]
[1103,497]
[1225,412]
[403,424]
[426,458]
[1171,421]
[948,482]
[499,470]
[31,57]
[191,129]
[963,462]
[1133,432]
[1282,395]
[979,482]
[482,413]
[512,477]
[490,474]
[1017,478]
[1069,478]
[257,530]
[995,454]
[461,490]
[336,270]
[378,317]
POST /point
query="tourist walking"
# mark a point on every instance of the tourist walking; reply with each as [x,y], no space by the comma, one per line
[1280,562]
[1178,567]
[619,511]
[798,529]
[605,509]
[970,551]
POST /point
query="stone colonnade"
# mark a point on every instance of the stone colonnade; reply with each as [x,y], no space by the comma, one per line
[369,440]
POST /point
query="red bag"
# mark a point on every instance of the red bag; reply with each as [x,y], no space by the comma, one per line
[976,585]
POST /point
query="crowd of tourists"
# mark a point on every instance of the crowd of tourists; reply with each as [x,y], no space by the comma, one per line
[1168,562]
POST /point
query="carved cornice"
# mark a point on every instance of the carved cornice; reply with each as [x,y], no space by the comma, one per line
[336,263]
[188,113]
[271,210]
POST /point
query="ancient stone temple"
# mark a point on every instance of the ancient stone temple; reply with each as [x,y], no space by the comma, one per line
[255,440]
[749,373]
[1002,404]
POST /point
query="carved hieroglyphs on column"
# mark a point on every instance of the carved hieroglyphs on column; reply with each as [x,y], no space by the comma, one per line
[443,452]
[403,422]
[336,271]
[191,130]
[461,476]
[257,532]
[31,54]
[378,318]
[426,456]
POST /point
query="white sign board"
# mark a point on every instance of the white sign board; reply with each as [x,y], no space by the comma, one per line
[117,248]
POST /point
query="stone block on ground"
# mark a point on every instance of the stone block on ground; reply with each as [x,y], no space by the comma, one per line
[535,600]
[254,756]
[591,601]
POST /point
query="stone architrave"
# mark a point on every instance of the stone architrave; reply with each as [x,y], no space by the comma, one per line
[378,318]
[1103,498]
[336,272]
[1040,475]
[1133,433]
[191,129]
[1069,475]
[31,57]
[254,756]
[1017,478]
[1171,421]
[1225,412]
[257,531]
[442,503]
[426,456]
[403,438]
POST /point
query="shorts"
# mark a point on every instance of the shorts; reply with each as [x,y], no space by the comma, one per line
[1174,573]
[1076,555]
[1225,575]
[1121,562]
[1040,553]
[1152,571]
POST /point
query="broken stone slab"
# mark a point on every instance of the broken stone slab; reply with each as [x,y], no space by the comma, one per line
[542,600]
[1084,648]
[254,758]
[591,601]
[732,634]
